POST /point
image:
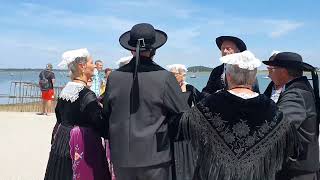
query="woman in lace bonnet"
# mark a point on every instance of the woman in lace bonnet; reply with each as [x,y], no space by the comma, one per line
[77,151]
[81,68]
[237,133]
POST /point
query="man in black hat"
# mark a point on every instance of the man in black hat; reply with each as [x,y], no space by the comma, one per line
[298,101]
[227,45]
[141,101]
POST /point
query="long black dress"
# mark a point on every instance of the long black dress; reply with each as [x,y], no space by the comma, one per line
[77,151]
[238,138]
[183,153]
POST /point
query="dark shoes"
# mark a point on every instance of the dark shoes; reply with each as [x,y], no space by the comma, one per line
[42,114]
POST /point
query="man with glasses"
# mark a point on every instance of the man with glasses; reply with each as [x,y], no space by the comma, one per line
[277,85]
[299,102]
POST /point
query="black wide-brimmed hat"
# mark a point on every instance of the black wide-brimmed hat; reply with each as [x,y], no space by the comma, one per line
[289,60]
[149,37]
[239,43]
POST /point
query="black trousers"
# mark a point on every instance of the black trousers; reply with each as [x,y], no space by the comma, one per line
[157,172]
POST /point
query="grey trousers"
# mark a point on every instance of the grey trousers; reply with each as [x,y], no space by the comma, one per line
[157,172]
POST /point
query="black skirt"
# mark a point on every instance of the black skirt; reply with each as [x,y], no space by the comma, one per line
[60,164]
[184,160]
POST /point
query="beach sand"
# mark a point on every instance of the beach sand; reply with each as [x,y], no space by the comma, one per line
[25,145]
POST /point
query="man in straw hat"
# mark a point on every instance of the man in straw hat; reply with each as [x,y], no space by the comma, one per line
[217,80]
[299,102]
[140,99]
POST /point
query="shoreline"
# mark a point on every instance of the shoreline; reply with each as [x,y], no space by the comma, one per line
[25,107]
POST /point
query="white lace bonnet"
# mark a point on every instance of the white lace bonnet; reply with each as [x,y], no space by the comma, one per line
[124,60]
[69,56]
[245,60]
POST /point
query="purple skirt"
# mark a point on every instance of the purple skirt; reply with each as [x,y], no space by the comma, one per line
[77,153]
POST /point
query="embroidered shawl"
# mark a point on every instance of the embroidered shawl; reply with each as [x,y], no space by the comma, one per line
[238,139]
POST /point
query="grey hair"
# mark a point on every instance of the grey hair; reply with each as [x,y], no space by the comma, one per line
[73,66]
[180,68]
[240,76]
[295,72]
[98,61]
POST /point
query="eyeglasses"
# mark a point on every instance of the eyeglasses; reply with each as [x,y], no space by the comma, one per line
[272,67]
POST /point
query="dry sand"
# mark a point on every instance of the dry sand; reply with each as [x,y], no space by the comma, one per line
[25,145]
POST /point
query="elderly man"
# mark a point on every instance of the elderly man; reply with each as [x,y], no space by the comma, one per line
[237,134]
[142,98]
[297,101]
[227,45]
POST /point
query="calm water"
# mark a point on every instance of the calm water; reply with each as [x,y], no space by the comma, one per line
[6,77]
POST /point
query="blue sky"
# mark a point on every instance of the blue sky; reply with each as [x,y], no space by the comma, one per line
[34,33]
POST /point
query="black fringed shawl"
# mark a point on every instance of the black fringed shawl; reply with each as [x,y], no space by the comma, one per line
[238,139]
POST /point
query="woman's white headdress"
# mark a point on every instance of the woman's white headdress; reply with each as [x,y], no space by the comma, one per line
[245,60]
[69,56]
[124,60]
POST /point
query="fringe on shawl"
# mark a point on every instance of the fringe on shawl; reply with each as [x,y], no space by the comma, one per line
[216,162]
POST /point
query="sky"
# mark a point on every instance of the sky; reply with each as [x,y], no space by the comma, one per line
[34,33]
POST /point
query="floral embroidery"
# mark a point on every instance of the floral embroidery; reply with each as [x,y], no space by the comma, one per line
[239,137]
[250,141]
[241,129]
[228,137]
[76,161]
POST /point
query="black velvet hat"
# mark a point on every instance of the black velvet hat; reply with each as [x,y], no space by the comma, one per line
[149,37]
[289,60]
[239,43]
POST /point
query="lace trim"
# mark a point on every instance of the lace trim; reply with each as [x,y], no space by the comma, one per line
[244,95]
[71,91]
[216,158]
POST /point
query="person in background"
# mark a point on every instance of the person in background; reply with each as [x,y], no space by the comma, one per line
[183,153]
[191,93]
[217,80]
[299,102]
[77,151]
[46,82]
[107,72]
[97,79]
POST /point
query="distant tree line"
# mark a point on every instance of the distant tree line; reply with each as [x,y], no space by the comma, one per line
[199,69]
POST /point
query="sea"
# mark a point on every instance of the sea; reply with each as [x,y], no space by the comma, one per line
[7,77]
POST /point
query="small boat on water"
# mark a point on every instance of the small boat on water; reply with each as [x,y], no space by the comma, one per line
[193,76]
[11,74]
[265,77]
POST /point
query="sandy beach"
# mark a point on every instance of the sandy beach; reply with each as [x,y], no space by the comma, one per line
[25,145]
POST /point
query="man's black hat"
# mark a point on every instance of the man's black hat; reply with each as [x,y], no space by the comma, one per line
[289,60]
[149,37]
[239,43]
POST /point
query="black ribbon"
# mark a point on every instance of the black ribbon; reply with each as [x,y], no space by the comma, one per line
[134,94]
[315,83]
